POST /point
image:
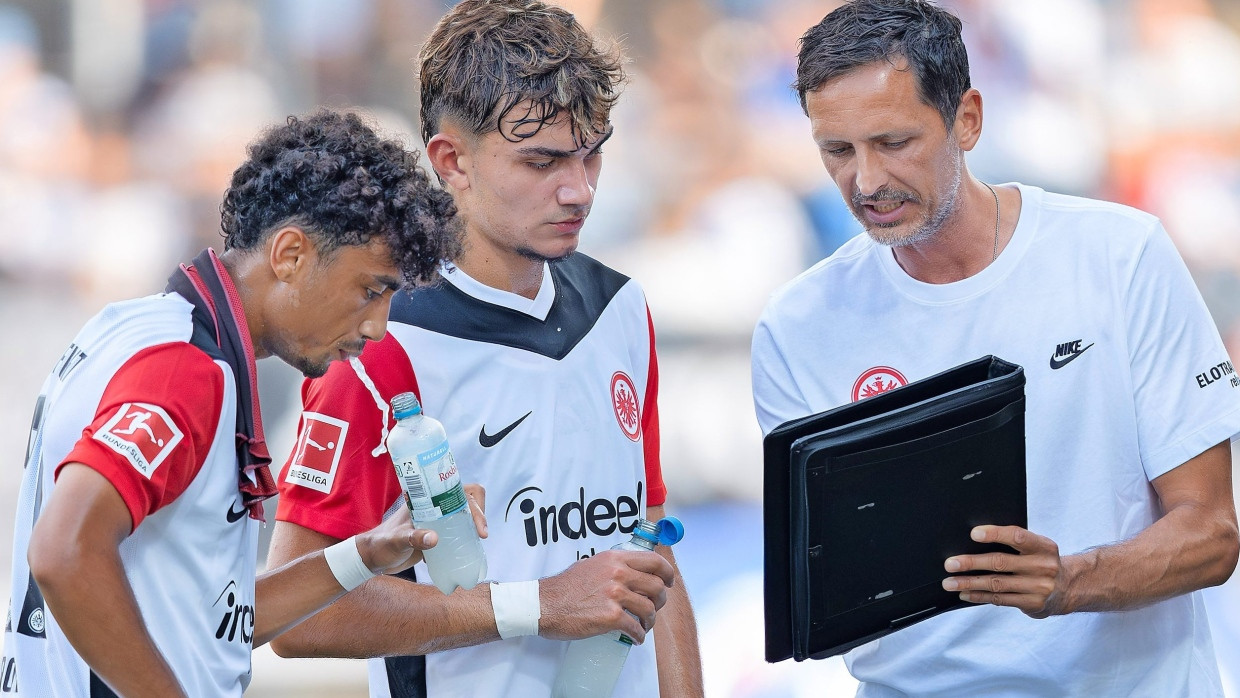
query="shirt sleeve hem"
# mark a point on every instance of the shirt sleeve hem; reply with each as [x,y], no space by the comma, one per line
[1168,458]
[657,494]
[92,456]
[318,521]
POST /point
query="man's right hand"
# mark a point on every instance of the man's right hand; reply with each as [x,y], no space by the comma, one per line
[597,595]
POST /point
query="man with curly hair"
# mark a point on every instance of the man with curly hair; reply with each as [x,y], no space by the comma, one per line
[541,365]
[137,529]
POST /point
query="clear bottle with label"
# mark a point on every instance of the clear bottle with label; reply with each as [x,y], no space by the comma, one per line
[592,665]
[427,472]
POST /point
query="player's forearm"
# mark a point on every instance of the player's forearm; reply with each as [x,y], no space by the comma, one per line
[75,559]
[388,616]
[110,636]
[1189,548]
[676,645]
[675,631]
[291,593]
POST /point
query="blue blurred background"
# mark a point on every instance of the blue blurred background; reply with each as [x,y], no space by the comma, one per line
[121,120]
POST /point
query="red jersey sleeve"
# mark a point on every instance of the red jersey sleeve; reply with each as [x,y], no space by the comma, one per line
[154,426]
[339,479]
[650,429]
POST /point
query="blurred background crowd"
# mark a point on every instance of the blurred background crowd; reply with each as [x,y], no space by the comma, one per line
[121,121]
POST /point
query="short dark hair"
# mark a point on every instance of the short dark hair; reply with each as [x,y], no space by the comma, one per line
[333,176]
[864,31]
[487,58]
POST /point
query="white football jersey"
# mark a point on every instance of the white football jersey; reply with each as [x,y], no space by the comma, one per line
[133,399]
[549,403]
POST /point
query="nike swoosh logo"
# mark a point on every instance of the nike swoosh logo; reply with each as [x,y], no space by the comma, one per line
[489,440]
[235,516]
[1056,365]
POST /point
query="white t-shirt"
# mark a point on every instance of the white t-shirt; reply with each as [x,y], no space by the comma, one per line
[1127,379]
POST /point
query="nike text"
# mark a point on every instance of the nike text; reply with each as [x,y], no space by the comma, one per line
[1067,352]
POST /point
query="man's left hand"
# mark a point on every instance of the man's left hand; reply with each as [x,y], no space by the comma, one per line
[1035,580]
[396,545]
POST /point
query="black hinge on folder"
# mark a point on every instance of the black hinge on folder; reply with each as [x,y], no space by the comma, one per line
[815,552]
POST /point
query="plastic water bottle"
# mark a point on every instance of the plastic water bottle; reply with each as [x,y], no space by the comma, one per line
[592,666]
[427,473]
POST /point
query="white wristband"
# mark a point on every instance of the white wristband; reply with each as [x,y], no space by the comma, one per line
[346,564]
[517,608]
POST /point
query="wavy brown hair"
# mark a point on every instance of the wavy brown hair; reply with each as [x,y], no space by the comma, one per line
[514,66]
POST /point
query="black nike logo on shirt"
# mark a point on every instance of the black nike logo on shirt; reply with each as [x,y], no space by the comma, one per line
[1067,356]
[489,440]
[235,516]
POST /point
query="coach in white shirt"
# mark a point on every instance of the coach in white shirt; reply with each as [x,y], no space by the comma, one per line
[1131,397]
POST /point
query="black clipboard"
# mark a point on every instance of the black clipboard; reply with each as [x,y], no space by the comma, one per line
[864,502]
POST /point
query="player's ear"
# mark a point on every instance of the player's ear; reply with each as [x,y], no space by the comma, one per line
[291,253]
[450,153]
[968,126]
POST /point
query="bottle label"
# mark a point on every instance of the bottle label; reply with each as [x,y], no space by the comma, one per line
[432,484]
[432,456]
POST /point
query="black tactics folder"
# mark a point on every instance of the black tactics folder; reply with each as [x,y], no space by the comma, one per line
[863,504]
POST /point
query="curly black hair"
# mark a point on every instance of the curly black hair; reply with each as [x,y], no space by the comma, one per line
[333,176]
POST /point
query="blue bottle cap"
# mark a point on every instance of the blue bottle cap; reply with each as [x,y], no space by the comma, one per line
[670,530]
[405,405]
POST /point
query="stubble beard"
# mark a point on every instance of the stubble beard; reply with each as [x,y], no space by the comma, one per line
[540,258]
[928,230]
[534,255]
[305,365]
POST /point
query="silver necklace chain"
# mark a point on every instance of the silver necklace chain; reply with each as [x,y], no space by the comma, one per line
[995,252]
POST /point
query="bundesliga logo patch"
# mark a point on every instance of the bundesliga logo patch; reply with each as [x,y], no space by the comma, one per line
[877,380]
[624,402]
[317,453]
[144,434]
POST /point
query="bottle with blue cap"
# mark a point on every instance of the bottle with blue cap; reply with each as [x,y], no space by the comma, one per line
[427,472]
[592,666]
